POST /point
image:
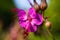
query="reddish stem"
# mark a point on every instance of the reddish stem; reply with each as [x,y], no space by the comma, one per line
[25,33]
[14,10]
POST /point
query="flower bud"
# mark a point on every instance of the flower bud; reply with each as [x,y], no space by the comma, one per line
[48,24]
[43,5]
[36,6]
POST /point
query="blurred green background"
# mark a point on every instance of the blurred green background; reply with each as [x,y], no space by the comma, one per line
[53,11]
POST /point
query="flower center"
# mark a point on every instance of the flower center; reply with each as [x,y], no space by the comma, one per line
[29,18]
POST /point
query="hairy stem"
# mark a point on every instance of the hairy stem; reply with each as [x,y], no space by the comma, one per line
[50,33]
[30,3]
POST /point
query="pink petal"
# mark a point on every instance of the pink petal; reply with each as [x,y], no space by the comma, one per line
[40,18]
[31,28]
[35,28]
[22,15]
[22,24]
[37,21]
[27,24]
[32,13]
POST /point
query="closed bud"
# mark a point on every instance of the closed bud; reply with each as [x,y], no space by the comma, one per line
[48,24]
[43,5]
[36,6]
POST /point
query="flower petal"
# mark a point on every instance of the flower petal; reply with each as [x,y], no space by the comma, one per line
[38,20]
[32,13]
[34,28]
[22,24]
[31,28]
[28,26]
[22,15]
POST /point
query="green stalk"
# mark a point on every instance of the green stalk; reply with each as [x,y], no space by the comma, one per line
[50,33]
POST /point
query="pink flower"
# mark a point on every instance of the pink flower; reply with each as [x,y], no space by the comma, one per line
[30,20]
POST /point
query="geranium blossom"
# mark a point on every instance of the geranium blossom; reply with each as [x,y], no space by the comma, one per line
[29,20]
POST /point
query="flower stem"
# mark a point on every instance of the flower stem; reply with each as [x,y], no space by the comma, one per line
[50,33]
[30,3]
[25,34]
[42,14]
